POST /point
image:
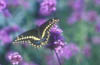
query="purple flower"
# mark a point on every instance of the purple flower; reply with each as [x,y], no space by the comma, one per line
[78,10]
[6,13]
[96,39]
[77,5]
[59,47]
[76,16]
[70,50]
[4,36]
[56,38]
[91,16]
[2,5]
[97,27]
[26,4]
[56,29]
[14,57]
[12,2]
[11,29]
[66,50]
[5,33]
[16,3]
[47,7]
[97,2]
[87,50]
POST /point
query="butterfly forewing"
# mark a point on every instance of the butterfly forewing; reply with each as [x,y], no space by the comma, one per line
[47,26]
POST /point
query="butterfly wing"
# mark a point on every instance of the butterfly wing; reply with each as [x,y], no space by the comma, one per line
[30,37]
[38,36]
[45,29]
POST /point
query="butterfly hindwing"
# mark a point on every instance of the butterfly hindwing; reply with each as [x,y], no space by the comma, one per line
[29,37]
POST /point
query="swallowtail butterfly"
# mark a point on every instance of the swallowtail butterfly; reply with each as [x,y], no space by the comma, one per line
[39,36]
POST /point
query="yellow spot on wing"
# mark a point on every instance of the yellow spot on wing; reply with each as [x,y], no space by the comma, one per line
[28,37]
[35,38]
[43,34]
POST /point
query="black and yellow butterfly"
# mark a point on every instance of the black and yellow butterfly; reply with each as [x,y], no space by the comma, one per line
[39,36]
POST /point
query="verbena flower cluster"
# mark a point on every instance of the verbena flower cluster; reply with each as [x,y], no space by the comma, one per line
[14,57]
[47,7]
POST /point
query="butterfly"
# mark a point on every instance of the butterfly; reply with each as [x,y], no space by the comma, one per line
[39,36]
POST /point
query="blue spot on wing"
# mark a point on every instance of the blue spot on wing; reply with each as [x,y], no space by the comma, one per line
[39,42]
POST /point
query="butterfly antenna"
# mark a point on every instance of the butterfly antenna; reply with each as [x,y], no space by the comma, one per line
[57,57]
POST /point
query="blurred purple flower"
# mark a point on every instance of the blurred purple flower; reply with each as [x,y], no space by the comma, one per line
[71,20]
[77,5]
[5,33]
[78,10]
[76,16]
[97,27]
[70,50]
[11,29]
[39,22]
[2,5]
[16,3]
[15,28]
[91,16]
[12,2]
[4,36]
[87,50]
[6,13]
[26,4]
[66,50]
[47,7]
[97,2]
[51,60]
[96,39]
[14,57]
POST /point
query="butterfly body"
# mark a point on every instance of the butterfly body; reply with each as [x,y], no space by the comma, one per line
[39,36]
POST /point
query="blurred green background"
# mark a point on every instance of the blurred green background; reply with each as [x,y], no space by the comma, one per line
[79,21]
